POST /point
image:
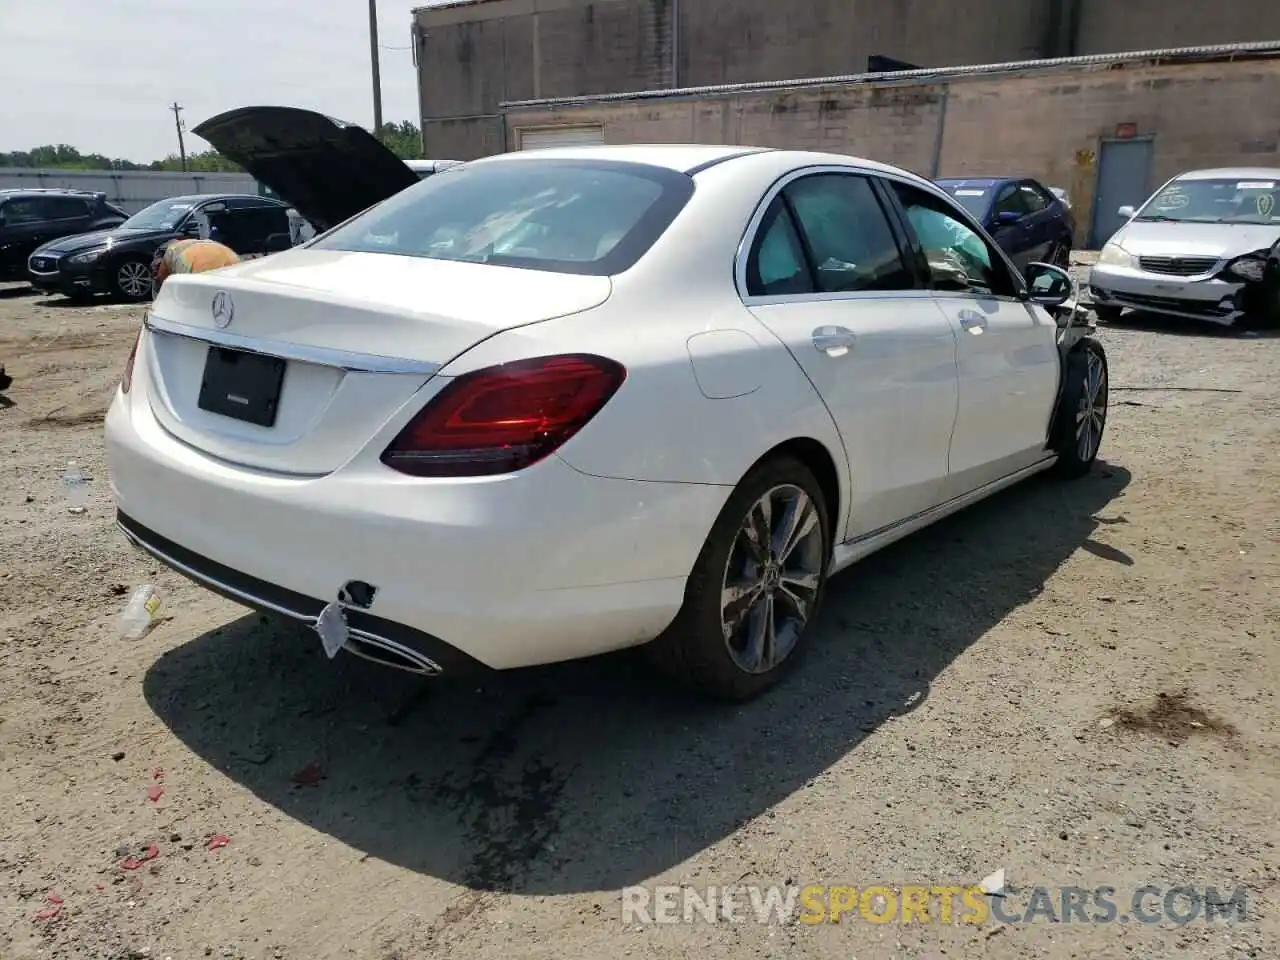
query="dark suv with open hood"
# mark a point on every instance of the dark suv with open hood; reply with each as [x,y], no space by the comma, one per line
[325,169]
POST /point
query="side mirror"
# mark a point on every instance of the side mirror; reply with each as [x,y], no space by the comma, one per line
[191,230]
[1006,217]
[1127,212]
[1049,286]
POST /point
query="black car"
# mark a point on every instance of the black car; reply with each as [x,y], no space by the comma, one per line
[29,218]
[118,261]
[1030,222]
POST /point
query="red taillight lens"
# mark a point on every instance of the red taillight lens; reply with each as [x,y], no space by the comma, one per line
[501,419]
[126,382]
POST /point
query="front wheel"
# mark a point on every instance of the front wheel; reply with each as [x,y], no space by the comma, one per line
[1082,413]
[133,279]
[756,585]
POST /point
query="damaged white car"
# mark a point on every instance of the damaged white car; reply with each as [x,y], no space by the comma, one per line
[1205,246]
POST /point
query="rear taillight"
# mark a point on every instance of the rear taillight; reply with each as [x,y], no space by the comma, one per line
[504,418]
[126,382]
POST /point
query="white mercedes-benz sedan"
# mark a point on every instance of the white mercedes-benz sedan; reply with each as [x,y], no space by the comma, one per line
[550,404]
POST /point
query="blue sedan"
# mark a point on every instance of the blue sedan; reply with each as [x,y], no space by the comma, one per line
[1028,221]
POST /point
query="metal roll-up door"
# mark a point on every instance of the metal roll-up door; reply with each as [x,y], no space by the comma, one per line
[576,136]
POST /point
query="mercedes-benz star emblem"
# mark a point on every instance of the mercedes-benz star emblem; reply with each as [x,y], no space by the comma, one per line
[223,309]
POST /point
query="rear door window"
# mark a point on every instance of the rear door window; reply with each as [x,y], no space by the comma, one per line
[26,210]
[250,228]
[566,216]
[776,265]
[66,208]
[1033,198]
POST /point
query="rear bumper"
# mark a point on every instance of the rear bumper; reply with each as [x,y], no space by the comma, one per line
[1207,298]
[545,565]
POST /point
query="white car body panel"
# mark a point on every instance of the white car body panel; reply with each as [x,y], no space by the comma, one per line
[487,563]
[1007,361]
[359,303]
[894,389]
[589,549]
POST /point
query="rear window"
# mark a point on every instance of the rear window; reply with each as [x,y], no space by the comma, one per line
[565,216]
[975,198]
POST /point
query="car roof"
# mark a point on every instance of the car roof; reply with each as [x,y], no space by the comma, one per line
[984,181]
[692,158]
[1232,173]
[681,157]
[46,191]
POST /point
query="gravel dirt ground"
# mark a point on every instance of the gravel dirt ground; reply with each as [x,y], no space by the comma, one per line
[1075,683]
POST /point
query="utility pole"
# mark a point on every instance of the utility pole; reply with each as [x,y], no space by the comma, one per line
[177,122]
[373,62]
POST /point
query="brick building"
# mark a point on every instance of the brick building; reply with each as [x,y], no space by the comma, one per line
[474,55]
[1107,128]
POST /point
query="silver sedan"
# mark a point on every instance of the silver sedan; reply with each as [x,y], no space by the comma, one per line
[1206,246]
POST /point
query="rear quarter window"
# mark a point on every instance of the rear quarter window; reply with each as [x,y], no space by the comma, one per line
[565,216]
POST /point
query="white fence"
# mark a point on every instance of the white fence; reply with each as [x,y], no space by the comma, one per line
[131,190]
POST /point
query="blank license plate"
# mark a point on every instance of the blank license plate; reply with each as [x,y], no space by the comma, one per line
[243,386]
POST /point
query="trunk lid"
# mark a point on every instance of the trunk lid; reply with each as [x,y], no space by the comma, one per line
[325,169]
[358,335]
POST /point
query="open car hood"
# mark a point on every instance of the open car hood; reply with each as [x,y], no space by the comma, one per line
[325,169]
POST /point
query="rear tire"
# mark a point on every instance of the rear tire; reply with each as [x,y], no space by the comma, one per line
[132,279]
[752,596]
[1081,419]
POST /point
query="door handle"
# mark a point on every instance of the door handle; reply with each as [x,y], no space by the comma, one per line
[973,321]
[833,341]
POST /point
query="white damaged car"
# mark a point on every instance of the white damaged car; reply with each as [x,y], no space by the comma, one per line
[554,403]
[1205,246]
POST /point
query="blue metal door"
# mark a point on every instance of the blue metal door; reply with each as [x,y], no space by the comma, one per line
[1124,177]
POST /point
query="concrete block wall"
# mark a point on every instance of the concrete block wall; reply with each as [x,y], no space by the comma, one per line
[473,57]
[742,41]
[1046,124]
[1115,26]
[476,55]
[1050,125]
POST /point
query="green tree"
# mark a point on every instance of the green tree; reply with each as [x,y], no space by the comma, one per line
[404,139]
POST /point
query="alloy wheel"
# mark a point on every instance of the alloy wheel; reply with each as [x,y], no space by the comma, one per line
[772,578]
[134,279]
[1091,417]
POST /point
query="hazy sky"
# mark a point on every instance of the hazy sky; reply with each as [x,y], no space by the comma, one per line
[100,74]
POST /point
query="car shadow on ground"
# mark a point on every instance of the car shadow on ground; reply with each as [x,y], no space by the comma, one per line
[595,775]
[12,292]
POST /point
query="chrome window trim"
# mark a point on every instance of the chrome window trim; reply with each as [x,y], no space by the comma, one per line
[300,353]
[753,226]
